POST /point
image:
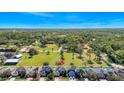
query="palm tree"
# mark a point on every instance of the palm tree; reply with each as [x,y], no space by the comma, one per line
[73,55]
[80,51]
[89,53]
[62,54]
[81,73]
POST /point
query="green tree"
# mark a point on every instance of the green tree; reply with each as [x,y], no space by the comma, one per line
[32,52]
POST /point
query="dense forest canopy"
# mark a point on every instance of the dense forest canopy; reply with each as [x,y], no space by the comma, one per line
[109,41]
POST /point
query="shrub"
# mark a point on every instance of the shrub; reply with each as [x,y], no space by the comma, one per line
[90,62]
[93,76]
[48,52]
[32,52]
[72,64]
[50,77]
[98,62]
[45,64]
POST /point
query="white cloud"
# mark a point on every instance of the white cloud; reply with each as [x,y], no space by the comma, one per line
[43,14]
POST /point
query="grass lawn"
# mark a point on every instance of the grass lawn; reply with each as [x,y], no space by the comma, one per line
[80,62]
[52,58]
[48,47]
[86,58]
[68,60]
[39,59]
[20,79]
[63,78]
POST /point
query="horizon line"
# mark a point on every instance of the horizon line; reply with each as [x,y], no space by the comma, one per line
[65,28]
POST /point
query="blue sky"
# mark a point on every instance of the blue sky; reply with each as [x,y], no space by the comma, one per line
[61,19]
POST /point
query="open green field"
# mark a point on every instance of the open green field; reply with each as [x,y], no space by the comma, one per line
[86,58]
[48,47]
[52,58]
[39,59]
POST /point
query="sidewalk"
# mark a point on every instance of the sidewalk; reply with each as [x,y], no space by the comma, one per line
[42,79]
[29,79]
[57,79]
[12,79]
